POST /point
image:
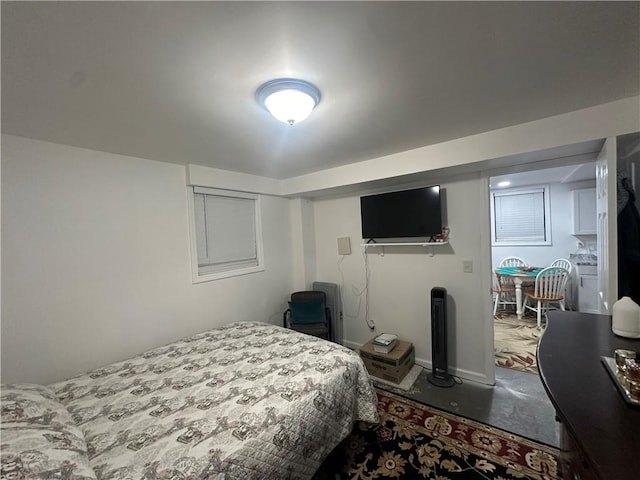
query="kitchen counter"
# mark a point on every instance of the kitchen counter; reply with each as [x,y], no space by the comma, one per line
[582,259]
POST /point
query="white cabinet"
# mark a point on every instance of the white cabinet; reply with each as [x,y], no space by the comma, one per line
[584,211]
[588,291]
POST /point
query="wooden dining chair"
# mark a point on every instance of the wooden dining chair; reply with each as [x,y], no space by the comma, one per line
[513,262]
[562,263]
[548,289]
[503,287]
[568,266]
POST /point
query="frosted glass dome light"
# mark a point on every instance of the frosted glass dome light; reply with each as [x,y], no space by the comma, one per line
[288,100]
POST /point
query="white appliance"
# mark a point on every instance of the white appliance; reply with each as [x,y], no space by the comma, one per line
[626,318]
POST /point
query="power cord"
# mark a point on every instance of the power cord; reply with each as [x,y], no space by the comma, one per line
[358,293]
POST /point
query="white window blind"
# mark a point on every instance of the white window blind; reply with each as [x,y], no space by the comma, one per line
[227,234]
[520,217]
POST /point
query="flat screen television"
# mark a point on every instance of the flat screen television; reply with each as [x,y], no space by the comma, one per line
[402,214]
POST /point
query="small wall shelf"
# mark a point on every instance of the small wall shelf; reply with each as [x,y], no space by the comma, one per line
[403,244]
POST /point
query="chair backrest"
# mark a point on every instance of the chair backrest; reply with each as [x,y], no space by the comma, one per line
[550,283]
[308,307]
[307,295]
[513,262]
[563,263]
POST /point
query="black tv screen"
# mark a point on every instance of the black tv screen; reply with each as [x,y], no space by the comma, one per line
[405,213]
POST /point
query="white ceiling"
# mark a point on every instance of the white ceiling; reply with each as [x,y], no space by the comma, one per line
[575,168]
[175,81]
[563,174]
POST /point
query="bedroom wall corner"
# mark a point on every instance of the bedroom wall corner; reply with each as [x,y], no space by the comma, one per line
[96,261]
[303,243]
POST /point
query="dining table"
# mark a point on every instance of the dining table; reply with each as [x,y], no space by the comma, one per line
[519,275]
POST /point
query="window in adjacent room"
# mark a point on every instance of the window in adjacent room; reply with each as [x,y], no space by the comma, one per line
[520,216]
[226,234]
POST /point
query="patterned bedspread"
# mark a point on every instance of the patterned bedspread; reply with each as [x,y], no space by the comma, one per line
[245,401]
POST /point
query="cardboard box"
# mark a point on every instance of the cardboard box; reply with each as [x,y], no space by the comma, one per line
[392,366]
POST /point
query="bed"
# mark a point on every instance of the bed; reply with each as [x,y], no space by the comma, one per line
[248,400]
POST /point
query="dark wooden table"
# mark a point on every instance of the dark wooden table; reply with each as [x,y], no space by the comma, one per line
[600,432]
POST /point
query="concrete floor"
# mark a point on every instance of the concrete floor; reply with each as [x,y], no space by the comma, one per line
[517,403]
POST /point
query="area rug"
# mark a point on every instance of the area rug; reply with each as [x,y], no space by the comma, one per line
[515,342]
[417,441]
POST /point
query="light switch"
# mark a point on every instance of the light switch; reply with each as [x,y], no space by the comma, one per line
[344,246]
[467,266]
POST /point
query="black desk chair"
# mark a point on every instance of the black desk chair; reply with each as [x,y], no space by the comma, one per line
[308,313]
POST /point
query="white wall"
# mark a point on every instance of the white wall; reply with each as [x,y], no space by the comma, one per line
[400,281]
[95,259]
[303,247]
[606,120]
[96,266]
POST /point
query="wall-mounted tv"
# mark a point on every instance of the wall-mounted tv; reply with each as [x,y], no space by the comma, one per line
[402,214]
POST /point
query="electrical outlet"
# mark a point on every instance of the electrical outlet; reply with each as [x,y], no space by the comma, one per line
[467,266]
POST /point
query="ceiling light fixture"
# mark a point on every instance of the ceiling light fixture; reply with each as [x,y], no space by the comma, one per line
[288,99]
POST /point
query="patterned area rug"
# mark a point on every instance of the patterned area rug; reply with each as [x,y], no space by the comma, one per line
[417,441]
[515,342]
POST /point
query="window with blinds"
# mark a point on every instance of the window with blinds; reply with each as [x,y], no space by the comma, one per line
[226,233]
[520,216]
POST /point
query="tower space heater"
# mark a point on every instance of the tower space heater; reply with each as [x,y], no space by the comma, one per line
[439,375]
[334,304]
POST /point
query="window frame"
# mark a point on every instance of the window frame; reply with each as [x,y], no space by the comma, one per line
[198,277]
[546,193]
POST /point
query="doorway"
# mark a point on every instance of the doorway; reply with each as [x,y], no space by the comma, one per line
[536,217]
